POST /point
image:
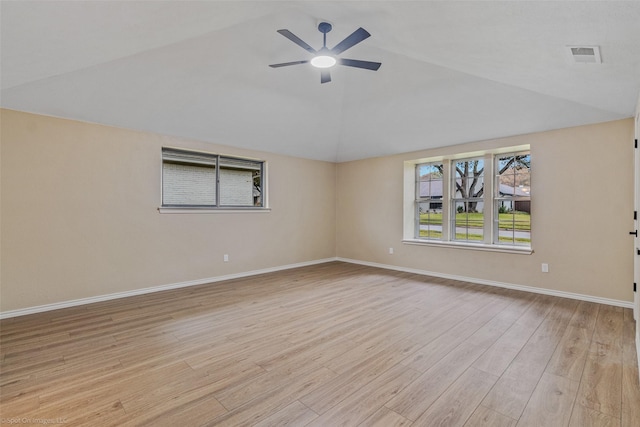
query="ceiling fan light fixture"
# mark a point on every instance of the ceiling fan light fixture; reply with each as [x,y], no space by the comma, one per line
[323,61]
[325,58]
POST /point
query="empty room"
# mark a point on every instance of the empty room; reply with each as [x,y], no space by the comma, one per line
[320,213]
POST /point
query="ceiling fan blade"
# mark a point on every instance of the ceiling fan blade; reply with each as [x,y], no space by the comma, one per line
[286,64]
[297,40]
[325,76]
[356,37]
[367,65]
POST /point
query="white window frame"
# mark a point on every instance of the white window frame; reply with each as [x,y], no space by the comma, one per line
[419,199]
[453,200]
[186,156]
[497,198]
[410,230]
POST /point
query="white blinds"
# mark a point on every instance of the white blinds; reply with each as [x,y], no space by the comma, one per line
[188,184]
[193,179]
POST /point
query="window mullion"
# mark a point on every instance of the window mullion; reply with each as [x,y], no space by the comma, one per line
[218,181]
[416,202]
[488,198]
[446,185]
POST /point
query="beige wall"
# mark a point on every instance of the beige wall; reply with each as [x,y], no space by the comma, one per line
[79,214]
[582,191]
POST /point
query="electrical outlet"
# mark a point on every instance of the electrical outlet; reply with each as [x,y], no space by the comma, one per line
[390,251]
[226,258]
[545,267]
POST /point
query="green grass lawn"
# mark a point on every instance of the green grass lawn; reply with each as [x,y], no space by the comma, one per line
[517,239]
[433,234]
[507,221]
[515,221]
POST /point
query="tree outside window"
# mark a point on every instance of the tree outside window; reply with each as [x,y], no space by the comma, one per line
[468,201]
[512,201]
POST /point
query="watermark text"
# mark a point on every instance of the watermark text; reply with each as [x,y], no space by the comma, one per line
[27,420]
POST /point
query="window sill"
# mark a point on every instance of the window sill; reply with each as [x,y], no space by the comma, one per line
[522,250]
[165,210]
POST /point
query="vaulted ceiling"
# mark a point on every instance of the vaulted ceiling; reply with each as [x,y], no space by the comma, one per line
[451,72]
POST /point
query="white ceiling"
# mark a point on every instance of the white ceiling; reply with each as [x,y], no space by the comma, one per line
[452,71]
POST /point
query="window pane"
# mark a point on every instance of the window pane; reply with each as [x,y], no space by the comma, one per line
[430,180]
[523,183]
[258,187]
[516,164]
[472,167]
[430,220]
[461,168]
[476,167]
[468,221]
[469,178]
[475,186]
[460,189]
[430,171]
[188,184]
[424,188]
[514,223]
[429,184]
[474,192]
[469,187]
[505,165]
[431,189]
[507,181]
[240,182]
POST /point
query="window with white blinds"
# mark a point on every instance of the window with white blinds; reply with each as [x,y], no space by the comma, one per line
[205,180]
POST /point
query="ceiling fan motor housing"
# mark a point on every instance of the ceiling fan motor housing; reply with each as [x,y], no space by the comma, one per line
[324,27]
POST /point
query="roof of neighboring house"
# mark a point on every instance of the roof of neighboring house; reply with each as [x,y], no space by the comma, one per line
[508,190]
[434,189]
[431,189]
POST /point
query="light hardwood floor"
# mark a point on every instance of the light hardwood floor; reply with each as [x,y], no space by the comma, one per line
[328,345]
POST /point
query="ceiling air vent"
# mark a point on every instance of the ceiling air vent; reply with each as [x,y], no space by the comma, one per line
[584,54]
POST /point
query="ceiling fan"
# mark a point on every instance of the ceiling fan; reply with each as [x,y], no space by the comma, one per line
[325,58]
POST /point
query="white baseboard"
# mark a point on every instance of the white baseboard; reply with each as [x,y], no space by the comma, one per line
[100,298]
[581,297]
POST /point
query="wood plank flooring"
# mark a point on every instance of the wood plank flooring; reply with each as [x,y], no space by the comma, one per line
[329,345]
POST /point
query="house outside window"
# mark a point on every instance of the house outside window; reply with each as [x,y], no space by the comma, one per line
[479,201]
[193,179]
[429,182]
[513,199]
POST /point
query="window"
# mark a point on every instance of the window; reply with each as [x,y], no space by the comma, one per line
[475,201]
[429,201]
[203,180]
[467,215]
[513,199]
